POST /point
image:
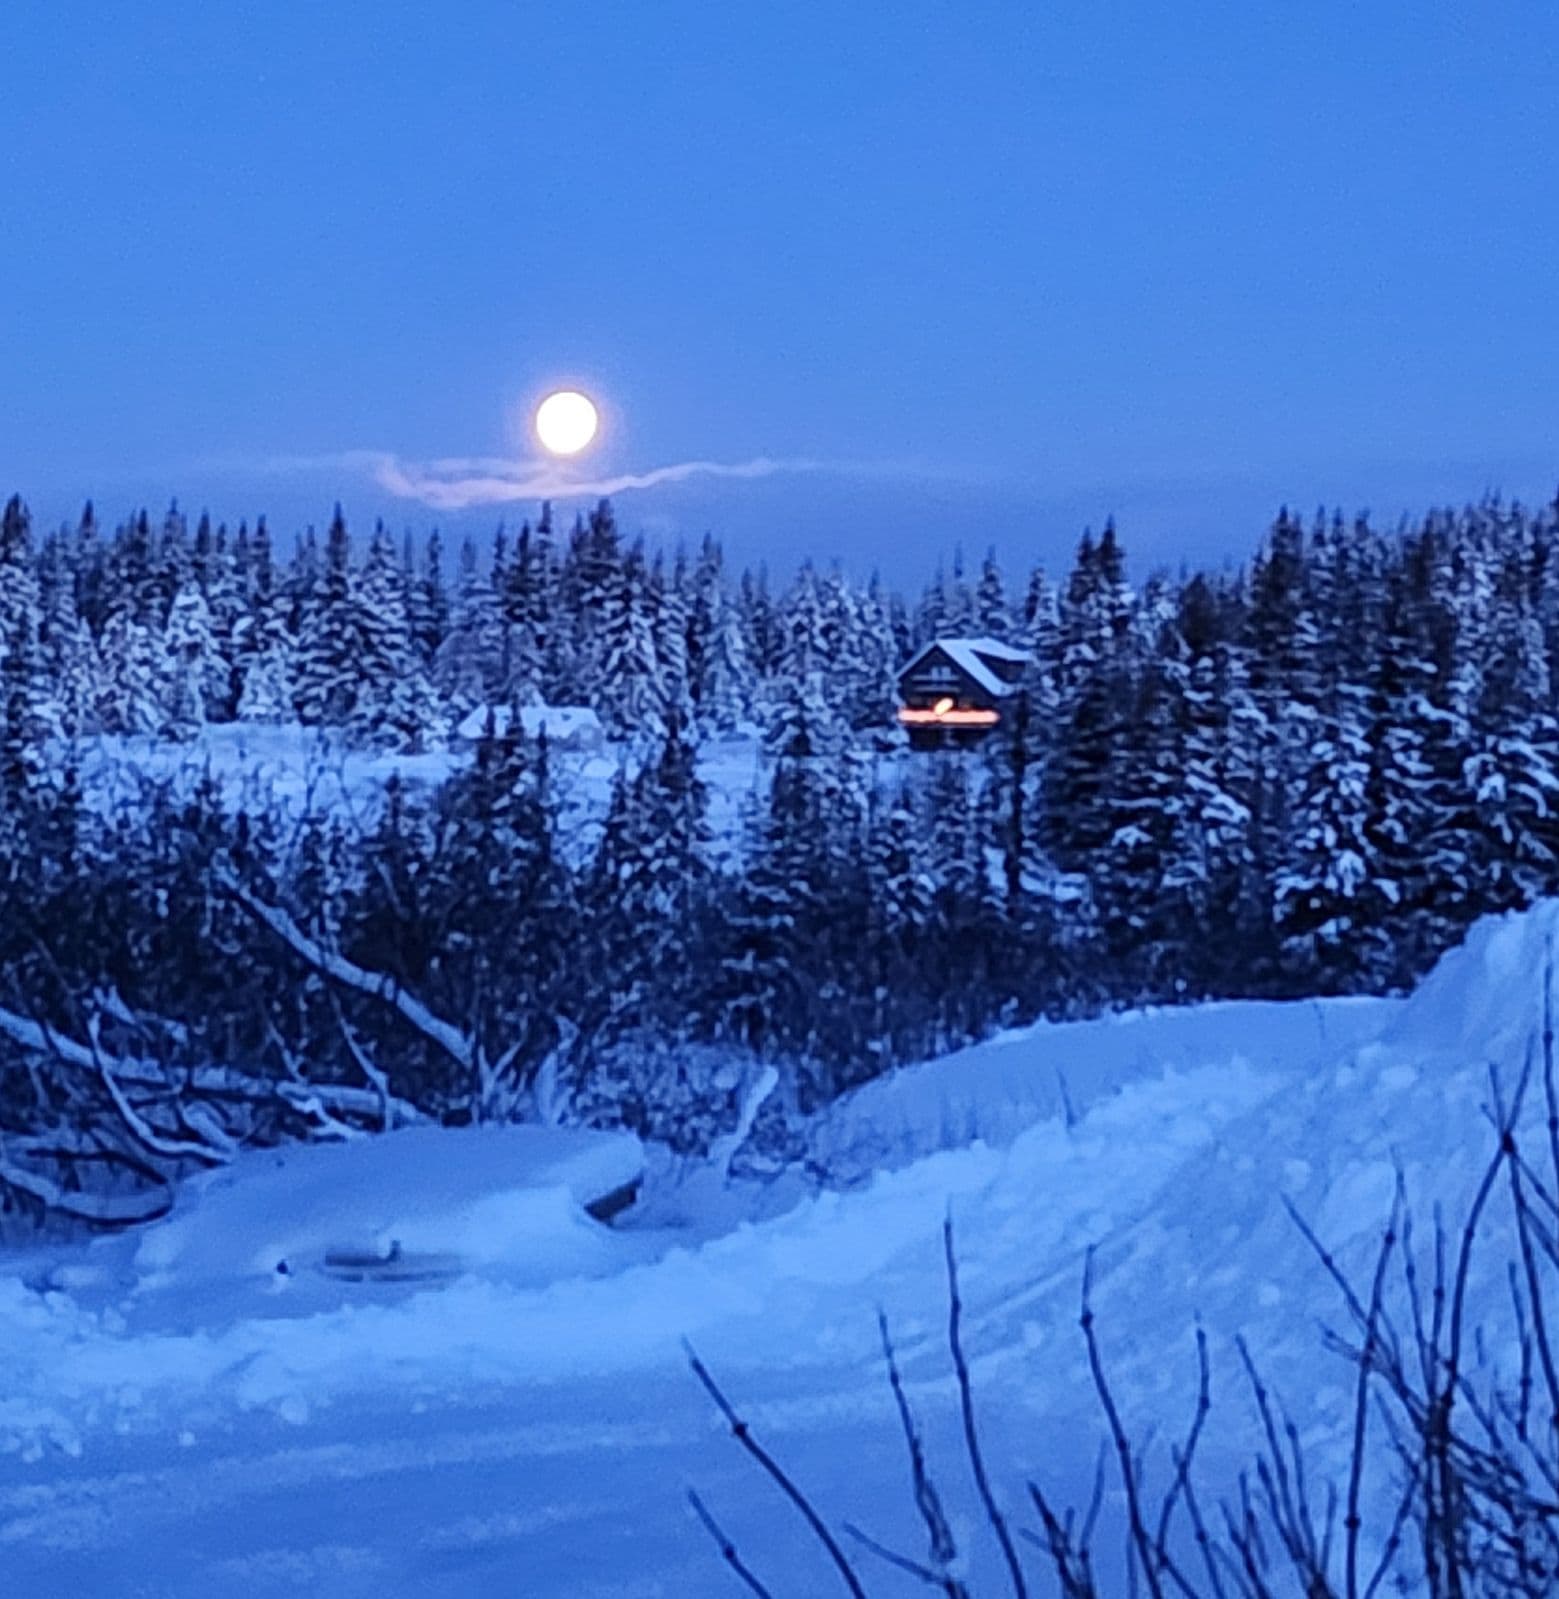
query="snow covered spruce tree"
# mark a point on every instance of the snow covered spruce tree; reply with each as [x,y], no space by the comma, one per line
[357,666]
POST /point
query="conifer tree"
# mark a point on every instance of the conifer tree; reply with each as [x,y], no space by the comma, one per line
[869,667]
[668,602]
[626,687]
[1332,902]
[649,882]
[761,980]
[128,585]
[427,601]
[526,614]
[87,564]
[725,675]
[325,671]
[468,670]
[992,616]
[263,644]
[196,677]
[1096,696]
[134,676]
[23,725]
[802,726]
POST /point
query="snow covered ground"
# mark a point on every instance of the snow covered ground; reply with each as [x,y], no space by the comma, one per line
[177,1419]
[292,771]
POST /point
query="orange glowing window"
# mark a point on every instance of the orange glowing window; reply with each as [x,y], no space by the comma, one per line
[910,716]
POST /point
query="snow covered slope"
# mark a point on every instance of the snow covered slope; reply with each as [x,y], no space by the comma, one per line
[995,1090]
[512,1435]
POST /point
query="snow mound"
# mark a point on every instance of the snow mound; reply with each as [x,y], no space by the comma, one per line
[992,1092]
[1484,999]
[494,1197]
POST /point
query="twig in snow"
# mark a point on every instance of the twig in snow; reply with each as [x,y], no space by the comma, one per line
[928,1501]
[966,1402]
[728,1551]
[743,1435]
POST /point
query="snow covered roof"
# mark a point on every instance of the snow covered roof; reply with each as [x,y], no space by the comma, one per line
[562,723]
[973,656]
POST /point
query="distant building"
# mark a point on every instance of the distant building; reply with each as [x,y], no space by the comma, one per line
[955,690]
[568,727]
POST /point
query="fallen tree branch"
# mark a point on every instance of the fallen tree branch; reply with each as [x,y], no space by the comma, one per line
[459,1046]
[141,1129]
[207,1082]
[102,1210]
[378,1080]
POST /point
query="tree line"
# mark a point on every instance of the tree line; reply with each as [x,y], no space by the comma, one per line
[1306,775]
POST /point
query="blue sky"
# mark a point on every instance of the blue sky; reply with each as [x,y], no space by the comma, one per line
[1002,268]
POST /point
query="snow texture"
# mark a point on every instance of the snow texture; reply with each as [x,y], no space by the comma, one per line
[178,1418]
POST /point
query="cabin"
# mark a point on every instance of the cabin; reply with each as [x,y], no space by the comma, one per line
[955,691]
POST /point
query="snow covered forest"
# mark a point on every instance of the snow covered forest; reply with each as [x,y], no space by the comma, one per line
[1305,776]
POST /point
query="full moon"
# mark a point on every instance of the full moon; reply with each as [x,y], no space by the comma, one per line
[566,422]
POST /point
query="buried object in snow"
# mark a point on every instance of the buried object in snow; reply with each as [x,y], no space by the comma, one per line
[374,1262]
[393,1266]
[523,1202]
[397,1265]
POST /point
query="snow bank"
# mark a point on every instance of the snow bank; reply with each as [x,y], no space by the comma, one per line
[992,1091]
[1483,1001]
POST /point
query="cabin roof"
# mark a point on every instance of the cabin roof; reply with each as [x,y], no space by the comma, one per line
[558,722]
[973,656]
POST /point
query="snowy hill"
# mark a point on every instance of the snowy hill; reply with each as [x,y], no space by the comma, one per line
[513,1433]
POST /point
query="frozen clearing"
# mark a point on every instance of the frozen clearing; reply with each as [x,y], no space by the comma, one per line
[295,771]
[178,1419]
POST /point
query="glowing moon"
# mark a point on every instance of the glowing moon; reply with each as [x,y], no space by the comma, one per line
[566,422]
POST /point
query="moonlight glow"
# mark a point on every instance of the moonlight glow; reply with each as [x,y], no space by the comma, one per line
[566,422]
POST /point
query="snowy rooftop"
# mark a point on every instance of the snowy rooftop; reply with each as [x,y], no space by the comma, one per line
[973,656]
[561,723]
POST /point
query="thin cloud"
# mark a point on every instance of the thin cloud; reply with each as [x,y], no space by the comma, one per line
[457,483]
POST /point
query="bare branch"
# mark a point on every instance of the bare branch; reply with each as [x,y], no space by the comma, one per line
[743,1435]
[944,1550]
[727,1548]
[966,1401]
[1351,1521]
[1140,1541]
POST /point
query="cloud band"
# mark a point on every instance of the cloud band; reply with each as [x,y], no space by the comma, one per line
[458,483]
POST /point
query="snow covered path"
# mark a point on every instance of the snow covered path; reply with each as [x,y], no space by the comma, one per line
[499,1436]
